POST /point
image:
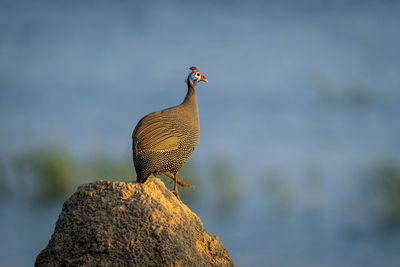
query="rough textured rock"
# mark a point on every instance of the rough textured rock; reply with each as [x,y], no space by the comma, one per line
[129,224]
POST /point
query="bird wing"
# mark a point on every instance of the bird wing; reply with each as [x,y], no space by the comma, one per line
[158,132]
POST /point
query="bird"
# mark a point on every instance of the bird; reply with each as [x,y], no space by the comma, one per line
[164,140]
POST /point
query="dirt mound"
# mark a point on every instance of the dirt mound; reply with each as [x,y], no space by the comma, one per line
[129,224]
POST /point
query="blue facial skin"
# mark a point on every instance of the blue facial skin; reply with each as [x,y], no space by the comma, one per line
[190,78]
[193,79]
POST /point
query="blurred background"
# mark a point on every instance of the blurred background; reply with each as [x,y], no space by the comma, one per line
[298,162]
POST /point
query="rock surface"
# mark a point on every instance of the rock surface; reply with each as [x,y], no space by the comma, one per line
[129,224]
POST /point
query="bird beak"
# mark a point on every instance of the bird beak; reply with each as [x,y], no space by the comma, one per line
[203,78]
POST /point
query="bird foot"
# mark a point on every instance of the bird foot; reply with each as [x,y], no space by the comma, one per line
[183,184]
[179,181]
[175,192]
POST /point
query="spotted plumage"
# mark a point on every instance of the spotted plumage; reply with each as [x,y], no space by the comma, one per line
[164,140]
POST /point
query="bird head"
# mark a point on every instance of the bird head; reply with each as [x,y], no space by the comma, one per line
[195,76]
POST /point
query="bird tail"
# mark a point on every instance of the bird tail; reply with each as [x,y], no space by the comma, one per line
[140,178]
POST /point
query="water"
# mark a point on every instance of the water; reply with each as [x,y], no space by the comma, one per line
[295,90]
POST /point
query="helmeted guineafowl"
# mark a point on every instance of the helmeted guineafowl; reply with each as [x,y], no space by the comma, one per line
[164,140]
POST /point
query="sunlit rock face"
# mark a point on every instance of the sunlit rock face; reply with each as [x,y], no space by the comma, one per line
[129,224]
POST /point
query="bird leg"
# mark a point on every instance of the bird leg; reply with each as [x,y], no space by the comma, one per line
[180,182]
[175,190]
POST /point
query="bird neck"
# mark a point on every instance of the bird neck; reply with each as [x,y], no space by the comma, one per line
[190,98]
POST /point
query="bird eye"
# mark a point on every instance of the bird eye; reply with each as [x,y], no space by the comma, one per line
[198,74]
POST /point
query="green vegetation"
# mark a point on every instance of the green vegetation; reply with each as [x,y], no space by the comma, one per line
[275,185]
[359,94]
[226,185]
[354,92]
[387,177]
[54,172]
[2,178]
[104,167]
[288,193]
